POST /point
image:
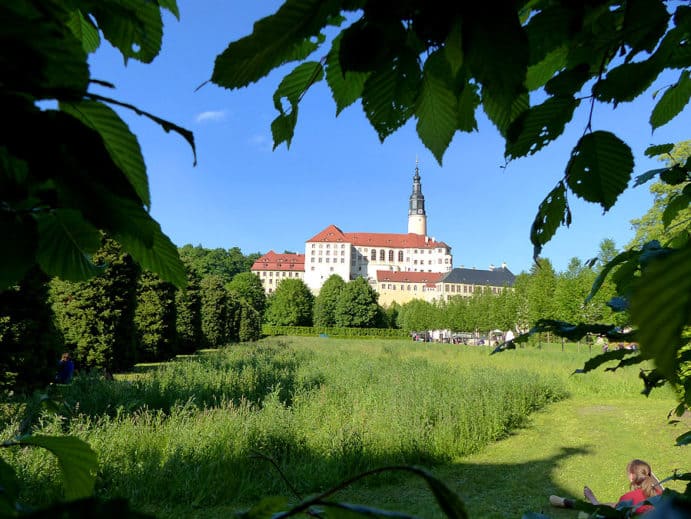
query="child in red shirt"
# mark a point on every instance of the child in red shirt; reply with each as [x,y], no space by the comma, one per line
[643,484]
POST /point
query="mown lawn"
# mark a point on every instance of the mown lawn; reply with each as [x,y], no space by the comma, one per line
[504,431]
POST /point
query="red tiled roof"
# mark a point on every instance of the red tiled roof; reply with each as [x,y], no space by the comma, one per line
[373,239]
[409,277]
[274,261]
[330,234]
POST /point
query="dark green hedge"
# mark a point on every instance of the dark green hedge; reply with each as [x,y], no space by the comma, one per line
[311,331]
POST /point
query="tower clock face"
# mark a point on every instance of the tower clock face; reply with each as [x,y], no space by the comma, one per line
[419,211]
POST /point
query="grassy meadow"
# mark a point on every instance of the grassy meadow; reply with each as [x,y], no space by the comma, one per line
[193,437]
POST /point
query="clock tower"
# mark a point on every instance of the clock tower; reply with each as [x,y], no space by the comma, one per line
[417,218]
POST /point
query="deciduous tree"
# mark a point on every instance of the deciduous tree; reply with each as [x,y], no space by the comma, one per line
[326,301]
[357,305]
[290,305]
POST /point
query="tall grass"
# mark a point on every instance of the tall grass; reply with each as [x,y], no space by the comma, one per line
[189,431]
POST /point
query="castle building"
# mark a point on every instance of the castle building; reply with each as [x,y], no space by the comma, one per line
[400,267]
[362,254]
[402,287]
[272,268]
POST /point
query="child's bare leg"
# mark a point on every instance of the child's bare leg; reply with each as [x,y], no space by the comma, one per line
[589,496]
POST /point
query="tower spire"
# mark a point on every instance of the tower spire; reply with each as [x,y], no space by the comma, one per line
[417,217]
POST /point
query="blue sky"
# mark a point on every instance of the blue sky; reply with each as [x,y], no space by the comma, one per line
[243,194]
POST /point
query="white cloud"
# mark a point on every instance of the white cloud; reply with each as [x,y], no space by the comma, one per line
[210,115]
[261,142]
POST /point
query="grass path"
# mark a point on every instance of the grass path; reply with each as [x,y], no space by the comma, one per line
[569,444]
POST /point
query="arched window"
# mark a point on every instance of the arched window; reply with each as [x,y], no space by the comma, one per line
[390,256]
[400,255]
[382,255]
[374,254]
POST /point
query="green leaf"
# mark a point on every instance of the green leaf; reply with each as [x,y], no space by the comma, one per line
[604,358]
[569,81]
[658,149]
[171,5]
[672,102]
[468,101]
[161,257]
[346,87]
[283,128]
[626,82]
[19,235]
[133,27]
[553,212]
[661,308]
[538,126]
[369,45]
[84,31]
[121,144]
[436,106]
[540,73]
[295,84]
[166,125]
[453,47]
[645,22]
[599,168]
[676,204]
[548,30]
[648,175]
[275,40]
[496,49]
[622,257]
[51,63]
[77,461]
[389,95]
[65,242]
[501,112]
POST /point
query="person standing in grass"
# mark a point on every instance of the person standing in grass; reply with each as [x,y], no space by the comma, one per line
[644,485]
[65,369]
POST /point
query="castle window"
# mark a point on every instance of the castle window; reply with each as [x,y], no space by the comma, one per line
[342,260]
[327,260]
[374,254]
[414,288]
[342,245]
[331,269]
[382,255]
[390,255]
[320,260]
[400,255]
[342,253]
[312,260]
[328,245]
[439,261]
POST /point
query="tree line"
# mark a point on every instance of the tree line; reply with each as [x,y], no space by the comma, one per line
[126,315]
